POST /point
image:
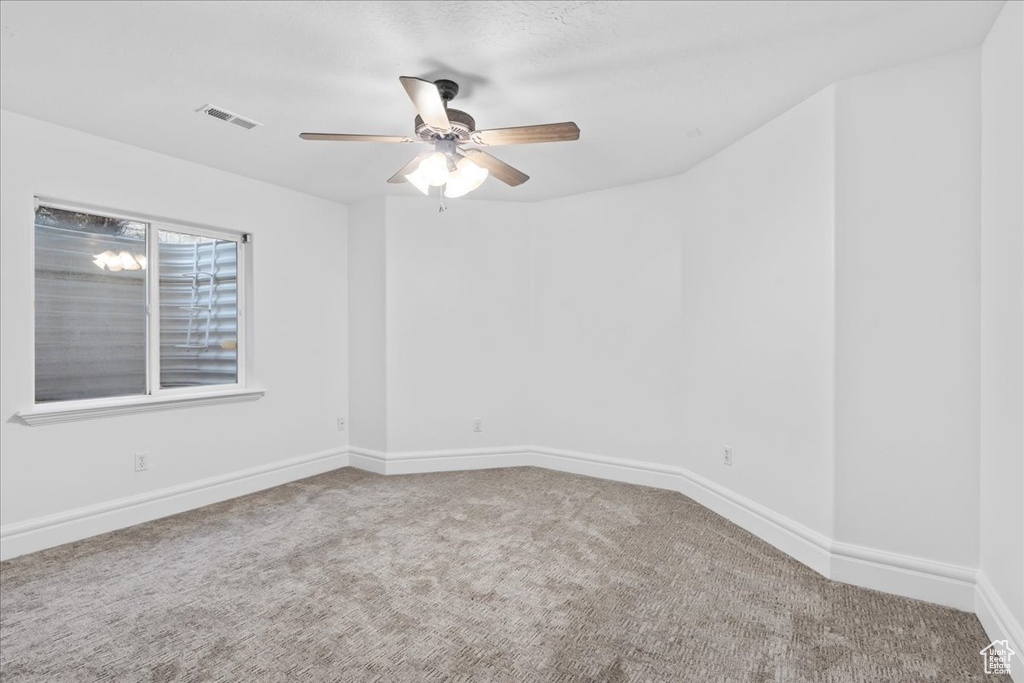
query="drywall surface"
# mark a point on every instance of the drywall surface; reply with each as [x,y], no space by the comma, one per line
[1002,310]
[678,317]
[367,325]
[458,320]
[299,299]
[907,311]
[607,332]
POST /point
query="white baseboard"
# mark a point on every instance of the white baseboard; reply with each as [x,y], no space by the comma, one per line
[417,462]
[936,582]
[366,459]
[46,532]
[413,462]
[999,623]
[911,577]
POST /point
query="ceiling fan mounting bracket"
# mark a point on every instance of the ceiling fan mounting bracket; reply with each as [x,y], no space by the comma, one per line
[448,89]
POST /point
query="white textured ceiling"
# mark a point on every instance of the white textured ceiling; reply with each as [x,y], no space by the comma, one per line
[640,78]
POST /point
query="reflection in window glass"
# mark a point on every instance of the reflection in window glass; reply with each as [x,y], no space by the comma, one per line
[198,310]
[90,306]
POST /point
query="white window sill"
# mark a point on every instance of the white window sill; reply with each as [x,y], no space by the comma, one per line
[75,411]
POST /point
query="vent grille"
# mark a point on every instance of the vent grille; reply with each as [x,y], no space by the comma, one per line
[230,117]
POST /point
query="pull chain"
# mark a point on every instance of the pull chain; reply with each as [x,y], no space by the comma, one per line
[442,206]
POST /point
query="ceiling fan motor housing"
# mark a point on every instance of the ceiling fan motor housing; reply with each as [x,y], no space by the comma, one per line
[448,89]
[462,124]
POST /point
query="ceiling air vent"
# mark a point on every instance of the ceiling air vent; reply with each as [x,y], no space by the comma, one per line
[225,115]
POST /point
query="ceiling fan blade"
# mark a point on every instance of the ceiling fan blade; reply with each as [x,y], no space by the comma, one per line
[427,100]
[547,132]
[399,177]
[498,168]
[345,137]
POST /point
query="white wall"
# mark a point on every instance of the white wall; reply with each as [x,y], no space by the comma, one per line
[676,317]
[1002,313]
[458,321]
[607,323]
[367,265]
[299,346]
[907,339]
[758,314]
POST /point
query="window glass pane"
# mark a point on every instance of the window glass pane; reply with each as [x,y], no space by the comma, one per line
[90,306]
[198,310]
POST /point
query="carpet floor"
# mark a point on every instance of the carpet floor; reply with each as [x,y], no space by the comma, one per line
[497,575]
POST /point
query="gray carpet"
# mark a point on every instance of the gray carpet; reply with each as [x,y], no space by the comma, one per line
[501,575]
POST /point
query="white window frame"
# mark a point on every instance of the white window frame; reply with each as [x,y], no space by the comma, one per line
[156,397]
[153,387]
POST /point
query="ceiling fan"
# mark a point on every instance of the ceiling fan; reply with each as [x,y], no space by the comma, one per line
[452,165]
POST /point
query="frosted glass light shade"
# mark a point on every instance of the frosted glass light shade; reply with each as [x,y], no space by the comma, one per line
[417,180]
[466,178]
[435,169]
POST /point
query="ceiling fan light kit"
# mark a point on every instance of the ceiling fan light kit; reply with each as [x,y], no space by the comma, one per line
[453,166]
[466,178]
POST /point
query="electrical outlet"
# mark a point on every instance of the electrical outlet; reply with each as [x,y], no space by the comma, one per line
[727,459]
[141,462]
[478,425]
[341,424]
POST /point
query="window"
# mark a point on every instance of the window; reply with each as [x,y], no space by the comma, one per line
[131,307]
[198,303]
